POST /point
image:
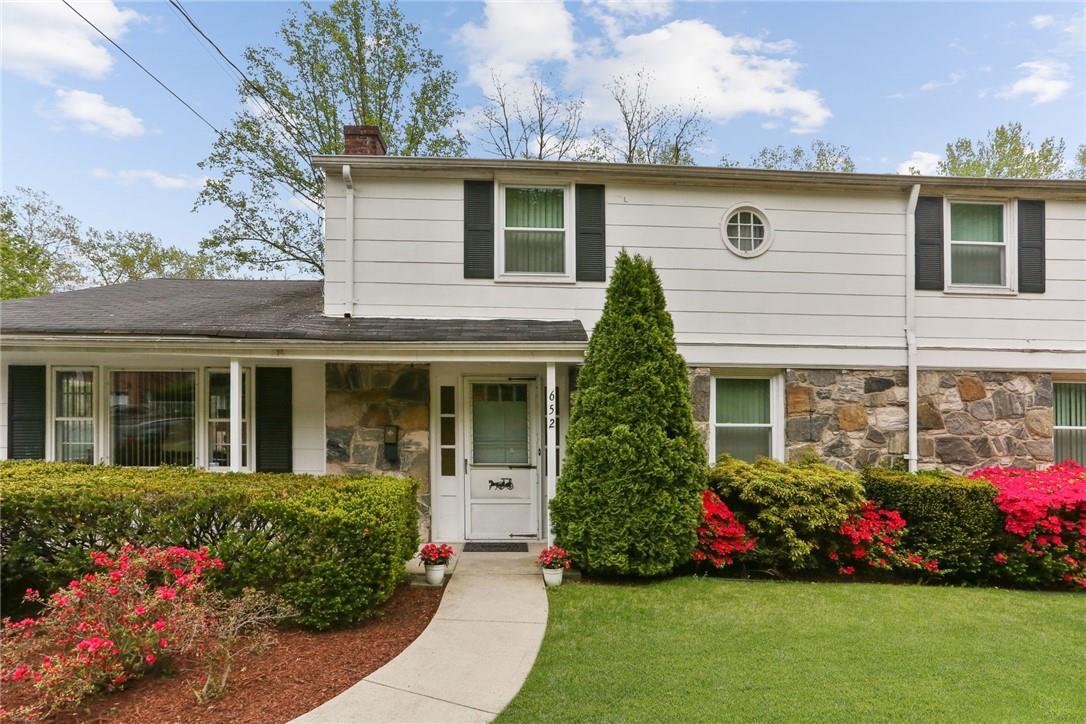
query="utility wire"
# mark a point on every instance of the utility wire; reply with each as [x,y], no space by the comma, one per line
[144,69]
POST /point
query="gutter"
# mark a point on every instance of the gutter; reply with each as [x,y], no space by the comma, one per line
[910,322]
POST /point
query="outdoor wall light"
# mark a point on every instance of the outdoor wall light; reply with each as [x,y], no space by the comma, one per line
[392,444]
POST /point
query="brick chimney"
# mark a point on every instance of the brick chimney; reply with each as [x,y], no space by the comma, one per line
[363,141]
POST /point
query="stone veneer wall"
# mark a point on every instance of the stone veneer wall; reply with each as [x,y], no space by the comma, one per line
[970,420]
[360,399]
[854,419]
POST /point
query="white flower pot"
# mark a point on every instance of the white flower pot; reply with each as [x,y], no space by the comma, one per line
[553,576]
[435,575]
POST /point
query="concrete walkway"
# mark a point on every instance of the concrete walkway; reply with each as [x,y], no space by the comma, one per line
[469,662]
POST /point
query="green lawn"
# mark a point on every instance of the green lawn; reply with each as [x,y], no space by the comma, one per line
[691,649]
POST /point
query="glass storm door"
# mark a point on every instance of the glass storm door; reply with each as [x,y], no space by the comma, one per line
[502,470]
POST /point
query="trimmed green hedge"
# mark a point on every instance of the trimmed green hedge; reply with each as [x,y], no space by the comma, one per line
[334,547]
[793,511]
[948,517]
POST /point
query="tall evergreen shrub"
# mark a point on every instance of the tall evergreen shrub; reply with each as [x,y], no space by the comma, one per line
[628,496]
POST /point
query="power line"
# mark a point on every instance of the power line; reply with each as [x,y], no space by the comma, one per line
[284,117]
[144,69]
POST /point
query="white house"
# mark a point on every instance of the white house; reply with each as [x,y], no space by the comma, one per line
[871,319]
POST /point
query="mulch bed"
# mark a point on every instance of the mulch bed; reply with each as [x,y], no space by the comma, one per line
[303,670]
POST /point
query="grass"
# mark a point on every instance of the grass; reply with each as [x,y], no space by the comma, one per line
[708,649]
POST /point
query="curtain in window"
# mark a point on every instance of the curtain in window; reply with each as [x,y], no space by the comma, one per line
[75,416]
[1070,416]
[743,427]
[535,251]
[152,418]
[499,422]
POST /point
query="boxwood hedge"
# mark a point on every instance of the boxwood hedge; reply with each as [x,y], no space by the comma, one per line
[334,547]
[949,517]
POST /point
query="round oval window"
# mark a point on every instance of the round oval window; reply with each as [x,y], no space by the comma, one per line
[746,231]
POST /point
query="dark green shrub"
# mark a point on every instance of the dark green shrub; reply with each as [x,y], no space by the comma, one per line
[948,517]
[333,547]
[628,499]
[793,511]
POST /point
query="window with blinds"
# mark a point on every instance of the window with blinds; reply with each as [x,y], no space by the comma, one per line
[742,418]
[73,437]
[1070,418]
[535,230]
[153,418]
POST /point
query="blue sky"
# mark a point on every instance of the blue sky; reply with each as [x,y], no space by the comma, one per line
[895,82]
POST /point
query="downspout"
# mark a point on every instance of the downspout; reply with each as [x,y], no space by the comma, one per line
[910,321]
[348,233]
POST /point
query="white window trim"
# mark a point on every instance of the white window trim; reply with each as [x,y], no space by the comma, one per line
[1010,248]
[566,277]
[767,240]
[776,409]
[51,410]
[203,412]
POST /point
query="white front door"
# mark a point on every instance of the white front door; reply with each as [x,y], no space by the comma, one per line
[503,483]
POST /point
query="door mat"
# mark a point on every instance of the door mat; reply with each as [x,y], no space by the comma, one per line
[495,547]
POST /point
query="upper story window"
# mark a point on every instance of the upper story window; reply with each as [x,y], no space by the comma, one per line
[534,230]
[746,231]
[978,244]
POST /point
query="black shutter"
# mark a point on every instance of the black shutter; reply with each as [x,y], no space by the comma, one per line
[26,412]
[591,234]
[1031,246]
[274,420]
[478,229]
[929,243]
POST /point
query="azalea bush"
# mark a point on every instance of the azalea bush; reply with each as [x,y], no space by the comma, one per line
[333,546]
[871,542]
[721,537]
[105,628]
[1045,523]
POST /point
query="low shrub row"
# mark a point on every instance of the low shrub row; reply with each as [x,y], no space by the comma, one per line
[1018,527]
[333,547]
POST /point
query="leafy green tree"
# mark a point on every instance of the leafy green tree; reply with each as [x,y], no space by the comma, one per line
[24,267]
[38,244]
[628,497]
[112,257]
[822,156]
[354,62]
[1007,152]
[1079,169]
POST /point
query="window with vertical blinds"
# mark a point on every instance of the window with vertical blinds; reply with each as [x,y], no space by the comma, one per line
[74,416]
[743,419]
[978,252]
[153,418]
[535,234]
[1070,418]
[218,420]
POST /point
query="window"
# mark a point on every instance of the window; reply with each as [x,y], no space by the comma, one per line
[499,424]
[744,421]
[1070,417]
[218,419]
[746,231]
[535,230]
[74,416]
[447,441]
[153,418]
[978,244]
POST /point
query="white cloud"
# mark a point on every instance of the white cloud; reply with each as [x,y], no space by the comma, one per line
[617,16]
[924,163]
[514,37]
[1040,22]
[728,75]
[42,39]
[1044,80]
[158,180]
[94,114]
[952,79]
